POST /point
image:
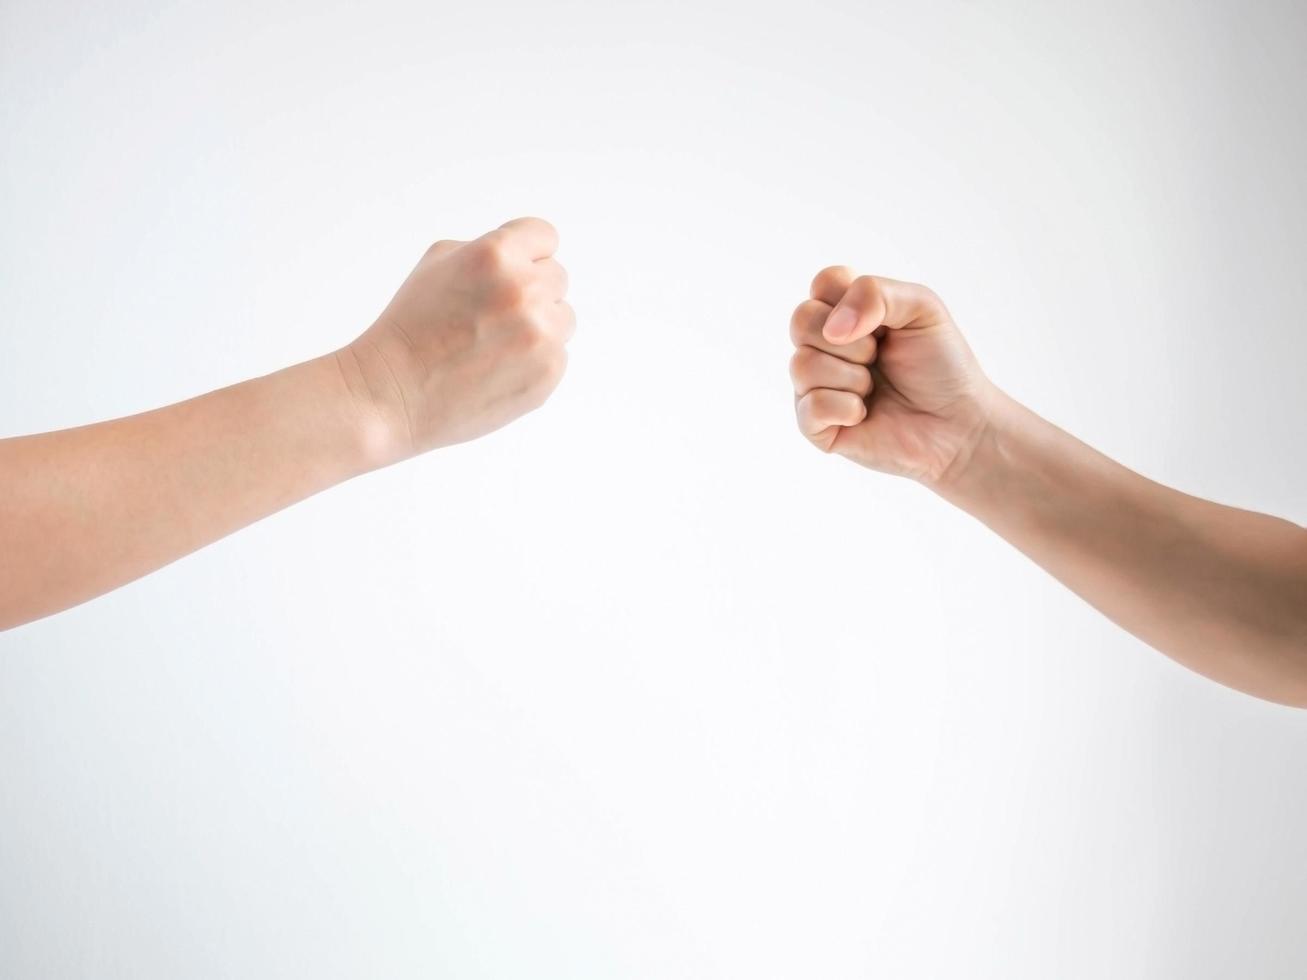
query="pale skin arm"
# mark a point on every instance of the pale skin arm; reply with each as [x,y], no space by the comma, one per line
[473,338]
[892,385]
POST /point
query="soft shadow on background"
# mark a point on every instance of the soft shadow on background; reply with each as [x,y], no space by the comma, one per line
[642,686]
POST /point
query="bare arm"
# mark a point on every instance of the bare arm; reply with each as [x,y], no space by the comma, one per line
[88,509]
[883,377]
[1221,590]
[473,338]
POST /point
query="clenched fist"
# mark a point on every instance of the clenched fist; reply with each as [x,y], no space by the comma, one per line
[474,338]
[883,377]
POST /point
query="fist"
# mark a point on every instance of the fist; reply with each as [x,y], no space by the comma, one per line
[475,337]
[883,377]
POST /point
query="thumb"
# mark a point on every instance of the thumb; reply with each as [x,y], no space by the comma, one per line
[871,302]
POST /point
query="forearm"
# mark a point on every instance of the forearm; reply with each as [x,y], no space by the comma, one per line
[85,510]
[1223,591]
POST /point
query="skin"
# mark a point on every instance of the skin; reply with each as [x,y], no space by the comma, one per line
[883,377]
[474,338]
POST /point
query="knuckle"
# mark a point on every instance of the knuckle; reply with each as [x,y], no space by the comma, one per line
[862,385]
[541,224]
[796,364]
[803,316]
[801,362]
[828,273]
[801,412]
[525,220]
[930,298]
[490,253]
[531,335]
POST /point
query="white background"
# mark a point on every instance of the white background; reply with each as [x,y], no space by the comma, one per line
[643,686]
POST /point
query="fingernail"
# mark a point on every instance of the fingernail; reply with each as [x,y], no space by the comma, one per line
[840,324]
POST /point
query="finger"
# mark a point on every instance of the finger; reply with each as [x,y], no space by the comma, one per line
[560,321]
[871,302]
[831,283]
[822,408]
[806,331]
[551,279]
[811,368]
[536,237]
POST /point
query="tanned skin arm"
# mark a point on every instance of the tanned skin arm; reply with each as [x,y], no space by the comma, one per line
[883,377]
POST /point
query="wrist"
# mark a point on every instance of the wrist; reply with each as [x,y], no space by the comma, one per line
[985,452]
[375,435]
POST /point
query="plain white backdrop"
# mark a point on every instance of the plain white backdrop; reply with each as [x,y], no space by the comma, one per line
[643,686]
